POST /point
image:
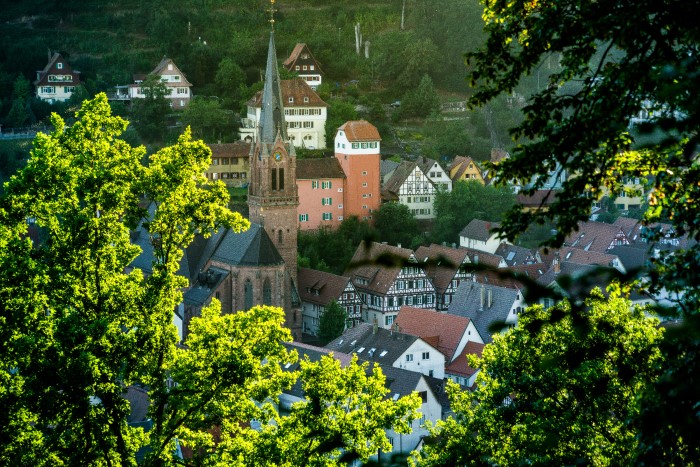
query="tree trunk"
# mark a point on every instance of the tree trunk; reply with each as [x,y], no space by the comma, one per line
[358,38]
[403,10]
[366,49]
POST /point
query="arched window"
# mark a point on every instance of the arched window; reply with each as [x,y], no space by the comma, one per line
[274,179]
[267,292]
[248,295]
[281,178]
[279,236]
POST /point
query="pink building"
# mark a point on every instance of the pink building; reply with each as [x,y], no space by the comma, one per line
[357,145]
[320,185]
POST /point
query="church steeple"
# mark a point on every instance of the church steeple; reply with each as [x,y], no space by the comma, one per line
[272,122]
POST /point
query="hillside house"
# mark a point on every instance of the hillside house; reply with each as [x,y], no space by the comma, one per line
[465,168]
[57,81]
[304,112]
[434,171]
[179,91]
[230,163]
[303,63]
[410,186]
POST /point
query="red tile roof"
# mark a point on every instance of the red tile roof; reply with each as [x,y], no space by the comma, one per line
[379,264]
[440,330]
[460,365]
[237,149]
[312,169]
[360,130]
[441,263]
[297,89]
[329,286]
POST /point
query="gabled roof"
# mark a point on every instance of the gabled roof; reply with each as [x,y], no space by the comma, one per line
[478,257]
[539,199]
[360,130]
[594,236]
[577,255]
[387,166]
[582,278]
[441,330]
[162,69]
[460,365]
[250,248]
[479,230]
[51,68]
[441,263]
[471,301]
[634,256]
[514,254]
[237,149]
[388,345]
[313,169]
[461,163]
[296,54]
[398,178]
[297,89]
[426,164]
[379,264]
[329,286]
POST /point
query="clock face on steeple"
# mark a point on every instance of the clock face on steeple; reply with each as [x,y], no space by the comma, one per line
[278,156]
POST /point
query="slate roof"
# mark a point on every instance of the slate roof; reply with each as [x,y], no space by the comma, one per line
[205,284]
[379,264]
[593,236]
[467,303]
[313,169]
[360,130]
[581,278]
[250,248]
[329,286]
[479,230]
[50,68]
[441,330]
[634,256]
[387,166]
[478,257]
[460,365]
[577,255]
[441,263]
[363,337]
[514,254]
[228,150]
[295,88]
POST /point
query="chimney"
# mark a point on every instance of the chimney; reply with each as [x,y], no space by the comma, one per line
[556,263]
[375,325]
[482,295]
[489,300]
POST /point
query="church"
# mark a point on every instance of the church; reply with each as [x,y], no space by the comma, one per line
[259,266]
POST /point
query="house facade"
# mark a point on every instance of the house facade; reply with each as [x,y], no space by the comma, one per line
[305,114]
[321,184]
[477,235]
[303,63]
[317,289]
[230,163]
[465,168]
[446,267]
[435,173]
[410,186]
[389,277]
[179,89]
[357,146]
[57,81]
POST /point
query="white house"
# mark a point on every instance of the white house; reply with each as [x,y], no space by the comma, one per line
[409,185]
[304,112]
[178,87]
[303,63]
[57,81]
[477,235]
[434,171]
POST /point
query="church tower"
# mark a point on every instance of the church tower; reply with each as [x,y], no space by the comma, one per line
[272,192]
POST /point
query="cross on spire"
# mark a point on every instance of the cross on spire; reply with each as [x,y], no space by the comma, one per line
[272,14]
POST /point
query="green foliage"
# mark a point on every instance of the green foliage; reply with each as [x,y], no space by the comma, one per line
[332,322]
[555,391]
[18,116]
[610,70]
[339,112]
[209,120]
[468,200]
[230,83]
[391,215]
[151,112]
[422,101]
[343,418]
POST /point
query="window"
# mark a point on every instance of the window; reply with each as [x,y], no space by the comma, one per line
[364,172]
[311,67]
[327,216]
[388,320]
[355,145]
[340,206]
[182,90]
[326,185]
[314,184]
[326,201]
[291,100]
[364,185]
[409,357]
[426,355]
[297,68]
[248,294]
[306,99]
[303,217]
[340,218]
[48,89]
[308,124]
[273,179]
[305,68]
[423,396]
[267,291]
[59,65]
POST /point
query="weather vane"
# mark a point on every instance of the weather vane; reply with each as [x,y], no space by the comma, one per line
[272,13]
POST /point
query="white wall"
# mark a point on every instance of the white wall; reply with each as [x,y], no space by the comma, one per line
[412,360]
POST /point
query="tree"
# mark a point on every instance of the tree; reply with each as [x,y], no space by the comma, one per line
[343,418]
[339,112]
[611,70]
[230,83]
[151,112]
[422,101]
[208,119]
[395,224]
[332,322]
[468,200]
[555,392]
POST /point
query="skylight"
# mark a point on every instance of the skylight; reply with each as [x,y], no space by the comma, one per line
[360,349]
[384,352]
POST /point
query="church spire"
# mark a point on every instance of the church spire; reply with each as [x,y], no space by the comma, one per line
[272,117]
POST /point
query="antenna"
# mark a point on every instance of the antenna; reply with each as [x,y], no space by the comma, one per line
[272,14]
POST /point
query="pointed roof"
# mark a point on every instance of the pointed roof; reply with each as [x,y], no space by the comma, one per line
[296,53]
[250,248]
[272,116]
